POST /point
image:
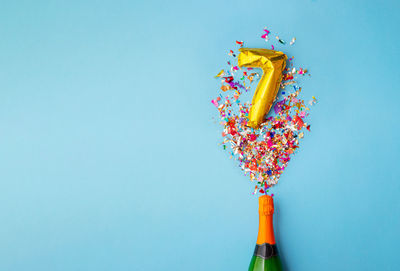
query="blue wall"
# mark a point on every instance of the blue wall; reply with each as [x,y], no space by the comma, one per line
[109,158]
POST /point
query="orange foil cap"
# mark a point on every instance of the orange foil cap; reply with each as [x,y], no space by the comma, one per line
[265,226]
[266,205]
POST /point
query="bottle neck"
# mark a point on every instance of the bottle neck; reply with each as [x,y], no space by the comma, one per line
[265,230]
[266,226]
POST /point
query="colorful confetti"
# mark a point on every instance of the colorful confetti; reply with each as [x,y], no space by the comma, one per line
[262,153]
[265,35]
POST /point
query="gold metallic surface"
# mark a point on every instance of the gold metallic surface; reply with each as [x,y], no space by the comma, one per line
[272,63]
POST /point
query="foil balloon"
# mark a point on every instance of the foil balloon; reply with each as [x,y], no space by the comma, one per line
[272,63]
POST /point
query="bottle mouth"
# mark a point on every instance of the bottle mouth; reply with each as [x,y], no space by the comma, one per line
[266,205]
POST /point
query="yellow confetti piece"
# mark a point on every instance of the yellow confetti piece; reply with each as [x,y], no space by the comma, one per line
[219,74]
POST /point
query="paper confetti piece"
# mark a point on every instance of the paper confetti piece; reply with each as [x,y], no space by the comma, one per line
[240,43]
[221,73]
[280,41]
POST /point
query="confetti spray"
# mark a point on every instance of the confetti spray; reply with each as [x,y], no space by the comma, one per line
[262,152]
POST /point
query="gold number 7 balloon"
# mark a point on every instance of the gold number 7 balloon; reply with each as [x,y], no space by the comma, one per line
[272,63]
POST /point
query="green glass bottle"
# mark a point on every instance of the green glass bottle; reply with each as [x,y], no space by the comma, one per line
[265,256]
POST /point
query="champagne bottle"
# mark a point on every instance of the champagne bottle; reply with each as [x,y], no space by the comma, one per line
[265,254]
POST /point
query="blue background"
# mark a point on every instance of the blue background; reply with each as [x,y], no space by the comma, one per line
[109,157]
